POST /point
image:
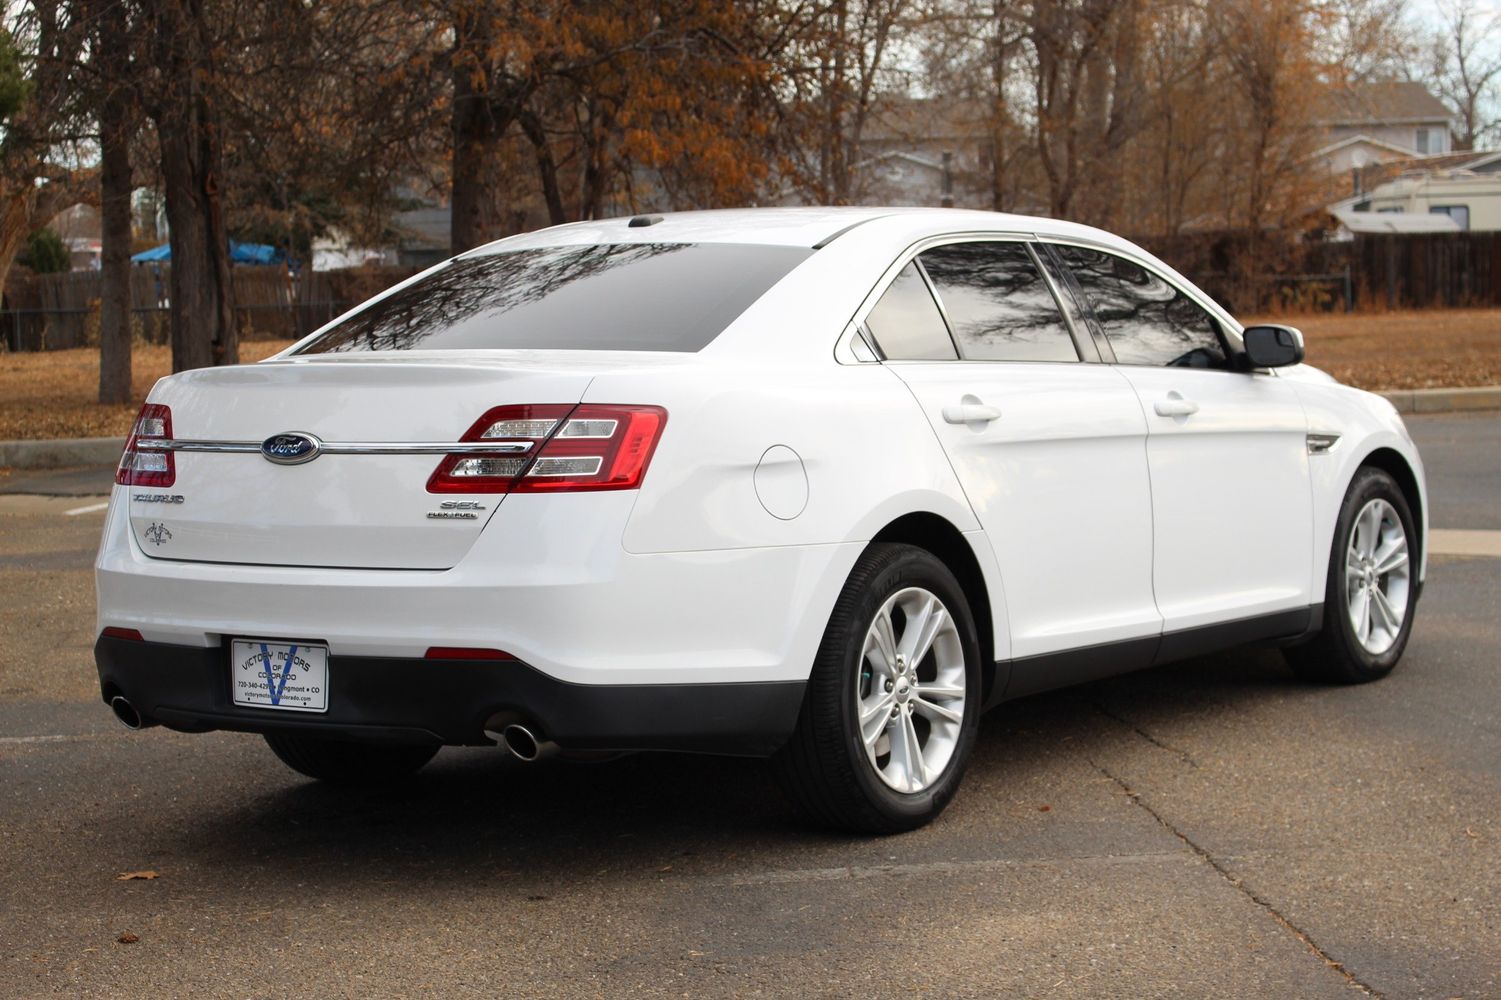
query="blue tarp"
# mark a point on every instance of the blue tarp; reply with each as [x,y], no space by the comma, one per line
[239,253]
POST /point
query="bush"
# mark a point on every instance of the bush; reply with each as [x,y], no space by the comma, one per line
[46,253]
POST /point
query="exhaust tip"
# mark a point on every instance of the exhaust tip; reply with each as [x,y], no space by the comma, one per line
[525,744]
[126,713]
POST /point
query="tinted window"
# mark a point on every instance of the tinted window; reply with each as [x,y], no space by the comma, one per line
[1146,320]
[625,297]
[998,304]
[906,323]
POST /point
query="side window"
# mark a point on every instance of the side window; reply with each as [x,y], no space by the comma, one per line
[998,304]
[906,323]
[1146,320]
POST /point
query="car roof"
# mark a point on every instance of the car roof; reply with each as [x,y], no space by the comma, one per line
[796,227]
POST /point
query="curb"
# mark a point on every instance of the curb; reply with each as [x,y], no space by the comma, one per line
[74,452]
[1485,397]
[62,453]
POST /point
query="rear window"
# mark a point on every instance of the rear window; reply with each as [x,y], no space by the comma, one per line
[618,297]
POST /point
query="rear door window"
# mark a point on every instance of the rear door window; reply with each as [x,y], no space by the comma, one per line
[1146,320]
[998,304]
[906,323]
[612,297]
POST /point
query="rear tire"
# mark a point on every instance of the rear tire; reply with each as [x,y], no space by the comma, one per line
[881,742]
[1371,591]
[349,763]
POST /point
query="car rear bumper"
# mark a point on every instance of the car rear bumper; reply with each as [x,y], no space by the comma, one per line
[450,701]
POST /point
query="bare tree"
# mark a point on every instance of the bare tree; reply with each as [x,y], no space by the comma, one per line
[1464,68]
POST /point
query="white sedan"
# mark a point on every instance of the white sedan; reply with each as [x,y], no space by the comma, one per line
[814,484]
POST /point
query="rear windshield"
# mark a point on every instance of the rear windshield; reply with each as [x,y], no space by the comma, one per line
[620,297]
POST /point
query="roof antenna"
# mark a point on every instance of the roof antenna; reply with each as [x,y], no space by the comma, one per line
[642,221]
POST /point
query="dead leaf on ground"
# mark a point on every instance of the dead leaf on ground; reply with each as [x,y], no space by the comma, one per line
[128,938]
[133,876]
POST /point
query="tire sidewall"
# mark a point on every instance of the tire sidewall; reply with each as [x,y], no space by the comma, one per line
[1369,484]
[912,567]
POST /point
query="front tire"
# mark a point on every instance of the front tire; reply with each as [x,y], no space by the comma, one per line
[1371,591]
[348,763]
[893,702]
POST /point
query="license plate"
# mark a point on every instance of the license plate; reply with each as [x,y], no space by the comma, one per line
[286,675]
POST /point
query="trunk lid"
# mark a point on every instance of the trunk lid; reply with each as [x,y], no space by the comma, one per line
[337,510]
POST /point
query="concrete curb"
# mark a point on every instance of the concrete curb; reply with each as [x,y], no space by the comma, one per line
[62,453]
[1485,397]
[74,452]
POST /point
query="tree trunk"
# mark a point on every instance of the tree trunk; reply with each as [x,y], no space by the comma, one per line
[187,126]
[483,111]
[116,124]
[15,226]
[547,167]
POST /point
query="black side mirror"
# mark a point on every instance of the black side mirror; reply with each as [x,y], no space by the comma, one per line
[1273,346]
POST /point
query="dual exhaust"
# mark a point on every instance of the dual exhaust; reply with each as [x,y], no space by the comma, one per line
[128,715]
[523,743]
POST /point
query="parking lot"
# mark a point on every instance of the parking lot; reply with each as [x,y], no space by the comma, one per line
[1214,828]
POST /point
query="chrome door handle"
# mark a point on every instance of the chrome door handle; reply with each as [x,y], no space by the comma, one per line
[970,413]
[1175,406]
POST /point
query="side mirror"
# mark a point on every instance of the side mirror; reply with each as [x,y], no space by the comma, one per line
[1273,346]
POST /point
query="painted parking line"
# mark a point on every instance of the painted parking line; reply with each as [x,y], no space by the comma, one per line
[86,510]
[1451,542]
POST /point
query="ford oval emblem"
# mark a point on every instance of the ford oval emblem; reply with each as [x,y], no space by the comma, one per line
[292,448]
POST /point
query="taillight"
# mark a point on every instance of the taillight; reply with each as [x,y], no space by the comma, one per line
[569,449]
[144,467]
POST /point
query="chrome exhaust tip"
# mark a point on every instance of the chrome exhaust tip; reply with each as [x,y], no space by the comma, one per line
[127,714]
[526,745]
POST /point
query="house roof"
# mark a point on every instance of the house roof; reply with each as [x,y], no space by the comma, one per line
[916,119]
[1362,140]
[1383,102]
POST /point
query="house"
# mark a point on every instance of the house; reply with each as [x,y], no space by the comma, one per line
[78,226]
[1380,122]
[924,151]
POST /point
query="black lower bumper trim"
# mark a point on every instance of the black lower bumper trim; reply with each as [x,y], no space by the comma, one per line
[449,701]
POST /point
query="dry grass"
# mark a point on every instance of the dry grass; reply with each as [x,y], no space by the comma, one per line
[1405,350]
[50,394]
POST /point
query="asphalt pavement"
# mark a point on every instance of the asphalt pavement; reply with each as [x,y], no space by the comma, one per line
[1214,828]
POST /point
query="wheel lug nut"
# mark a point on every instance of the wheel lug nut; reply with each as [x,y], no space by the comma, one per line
[889,685]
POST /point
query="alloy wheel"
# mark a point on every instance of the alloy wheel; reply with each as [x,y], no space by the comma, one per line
[910,690]
[1378,576]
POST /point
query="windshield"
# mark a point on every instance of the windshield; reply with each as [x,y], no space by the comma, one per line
[617,297]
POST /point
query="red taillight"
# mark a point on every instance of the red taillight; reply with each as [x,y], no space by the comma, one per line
[144,467]
[591,446]
[466,653]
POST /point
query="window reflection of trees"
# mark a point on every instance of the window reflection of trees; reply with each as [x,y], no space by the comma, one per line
[459,303]
[1147,321]
[998,304]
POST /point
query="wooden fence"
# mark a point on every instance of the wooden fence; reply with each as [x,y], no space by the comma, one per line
[1272,273]
[56,311]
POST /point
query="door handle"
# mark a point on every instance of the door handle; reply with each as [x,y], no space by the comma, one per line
[1175,406]
[970,413]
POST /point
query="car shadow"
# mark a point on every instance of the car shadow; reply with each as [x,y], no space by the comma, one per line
[478,811]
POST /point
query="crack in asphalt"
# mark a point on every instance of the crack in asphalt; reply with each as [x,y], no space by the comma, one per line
[1182,755]
[1238,885]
